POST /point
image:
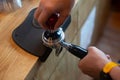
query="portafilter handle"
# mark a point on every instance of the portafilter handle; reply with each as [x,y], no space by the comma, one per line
[74,49]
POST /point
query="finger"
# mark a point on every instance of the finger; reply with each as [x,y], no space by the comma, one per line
[108,56]
[61,20]
[43,17]
[37,13]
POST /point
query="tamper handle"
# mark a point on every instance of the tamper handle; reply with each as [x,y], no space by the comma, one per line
[52,20]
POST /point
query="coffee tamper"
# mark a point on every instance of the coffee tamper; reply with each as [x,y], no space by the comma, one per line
[56,40]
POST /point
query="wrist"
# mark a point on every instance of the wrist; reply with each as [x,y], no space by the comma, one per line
[109,71]
[109,66]
[114,72]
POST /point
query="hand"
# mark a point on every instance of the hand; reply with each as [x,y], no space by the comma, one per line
[94,62]
[48,7]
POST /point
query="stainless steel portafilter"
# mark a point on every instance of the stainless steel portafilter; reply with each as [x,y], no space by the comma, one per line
[56,39]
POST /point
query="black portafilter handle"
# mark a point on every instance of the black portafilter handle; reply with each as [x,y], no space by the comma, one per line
[77,51]
[74,49]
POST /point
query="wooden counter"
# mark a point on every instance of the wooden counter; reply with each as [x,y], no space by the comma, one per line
[15,63]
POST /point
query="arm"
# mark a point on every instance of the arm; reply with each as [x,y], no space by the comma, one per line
[47,8]
[115,73]
[94,62]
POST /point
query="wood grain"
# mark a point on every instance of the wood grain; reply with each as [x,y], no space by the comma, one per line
[15,63]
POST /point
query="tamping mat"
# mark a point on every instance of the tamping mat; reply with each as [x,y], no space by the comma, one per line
[29,37]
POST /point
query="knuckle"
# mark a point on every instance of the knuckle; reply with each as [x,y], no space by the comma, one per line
[49,8]
[91,48]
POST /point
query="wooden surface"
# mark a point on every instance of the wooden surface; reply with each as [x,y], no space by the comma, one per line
[110,40]
[106,31]
[15,63]
[101,16]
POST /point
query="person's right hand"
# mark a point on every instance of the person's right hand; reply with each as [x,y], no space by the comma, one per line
[94,62]
[48,7]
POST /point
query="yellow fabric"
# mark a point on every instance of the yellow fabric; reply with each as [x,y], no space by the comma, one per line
[107,68]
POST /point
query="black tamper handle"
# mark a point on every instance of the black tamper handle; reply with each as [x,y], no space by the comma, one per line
[75,50]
